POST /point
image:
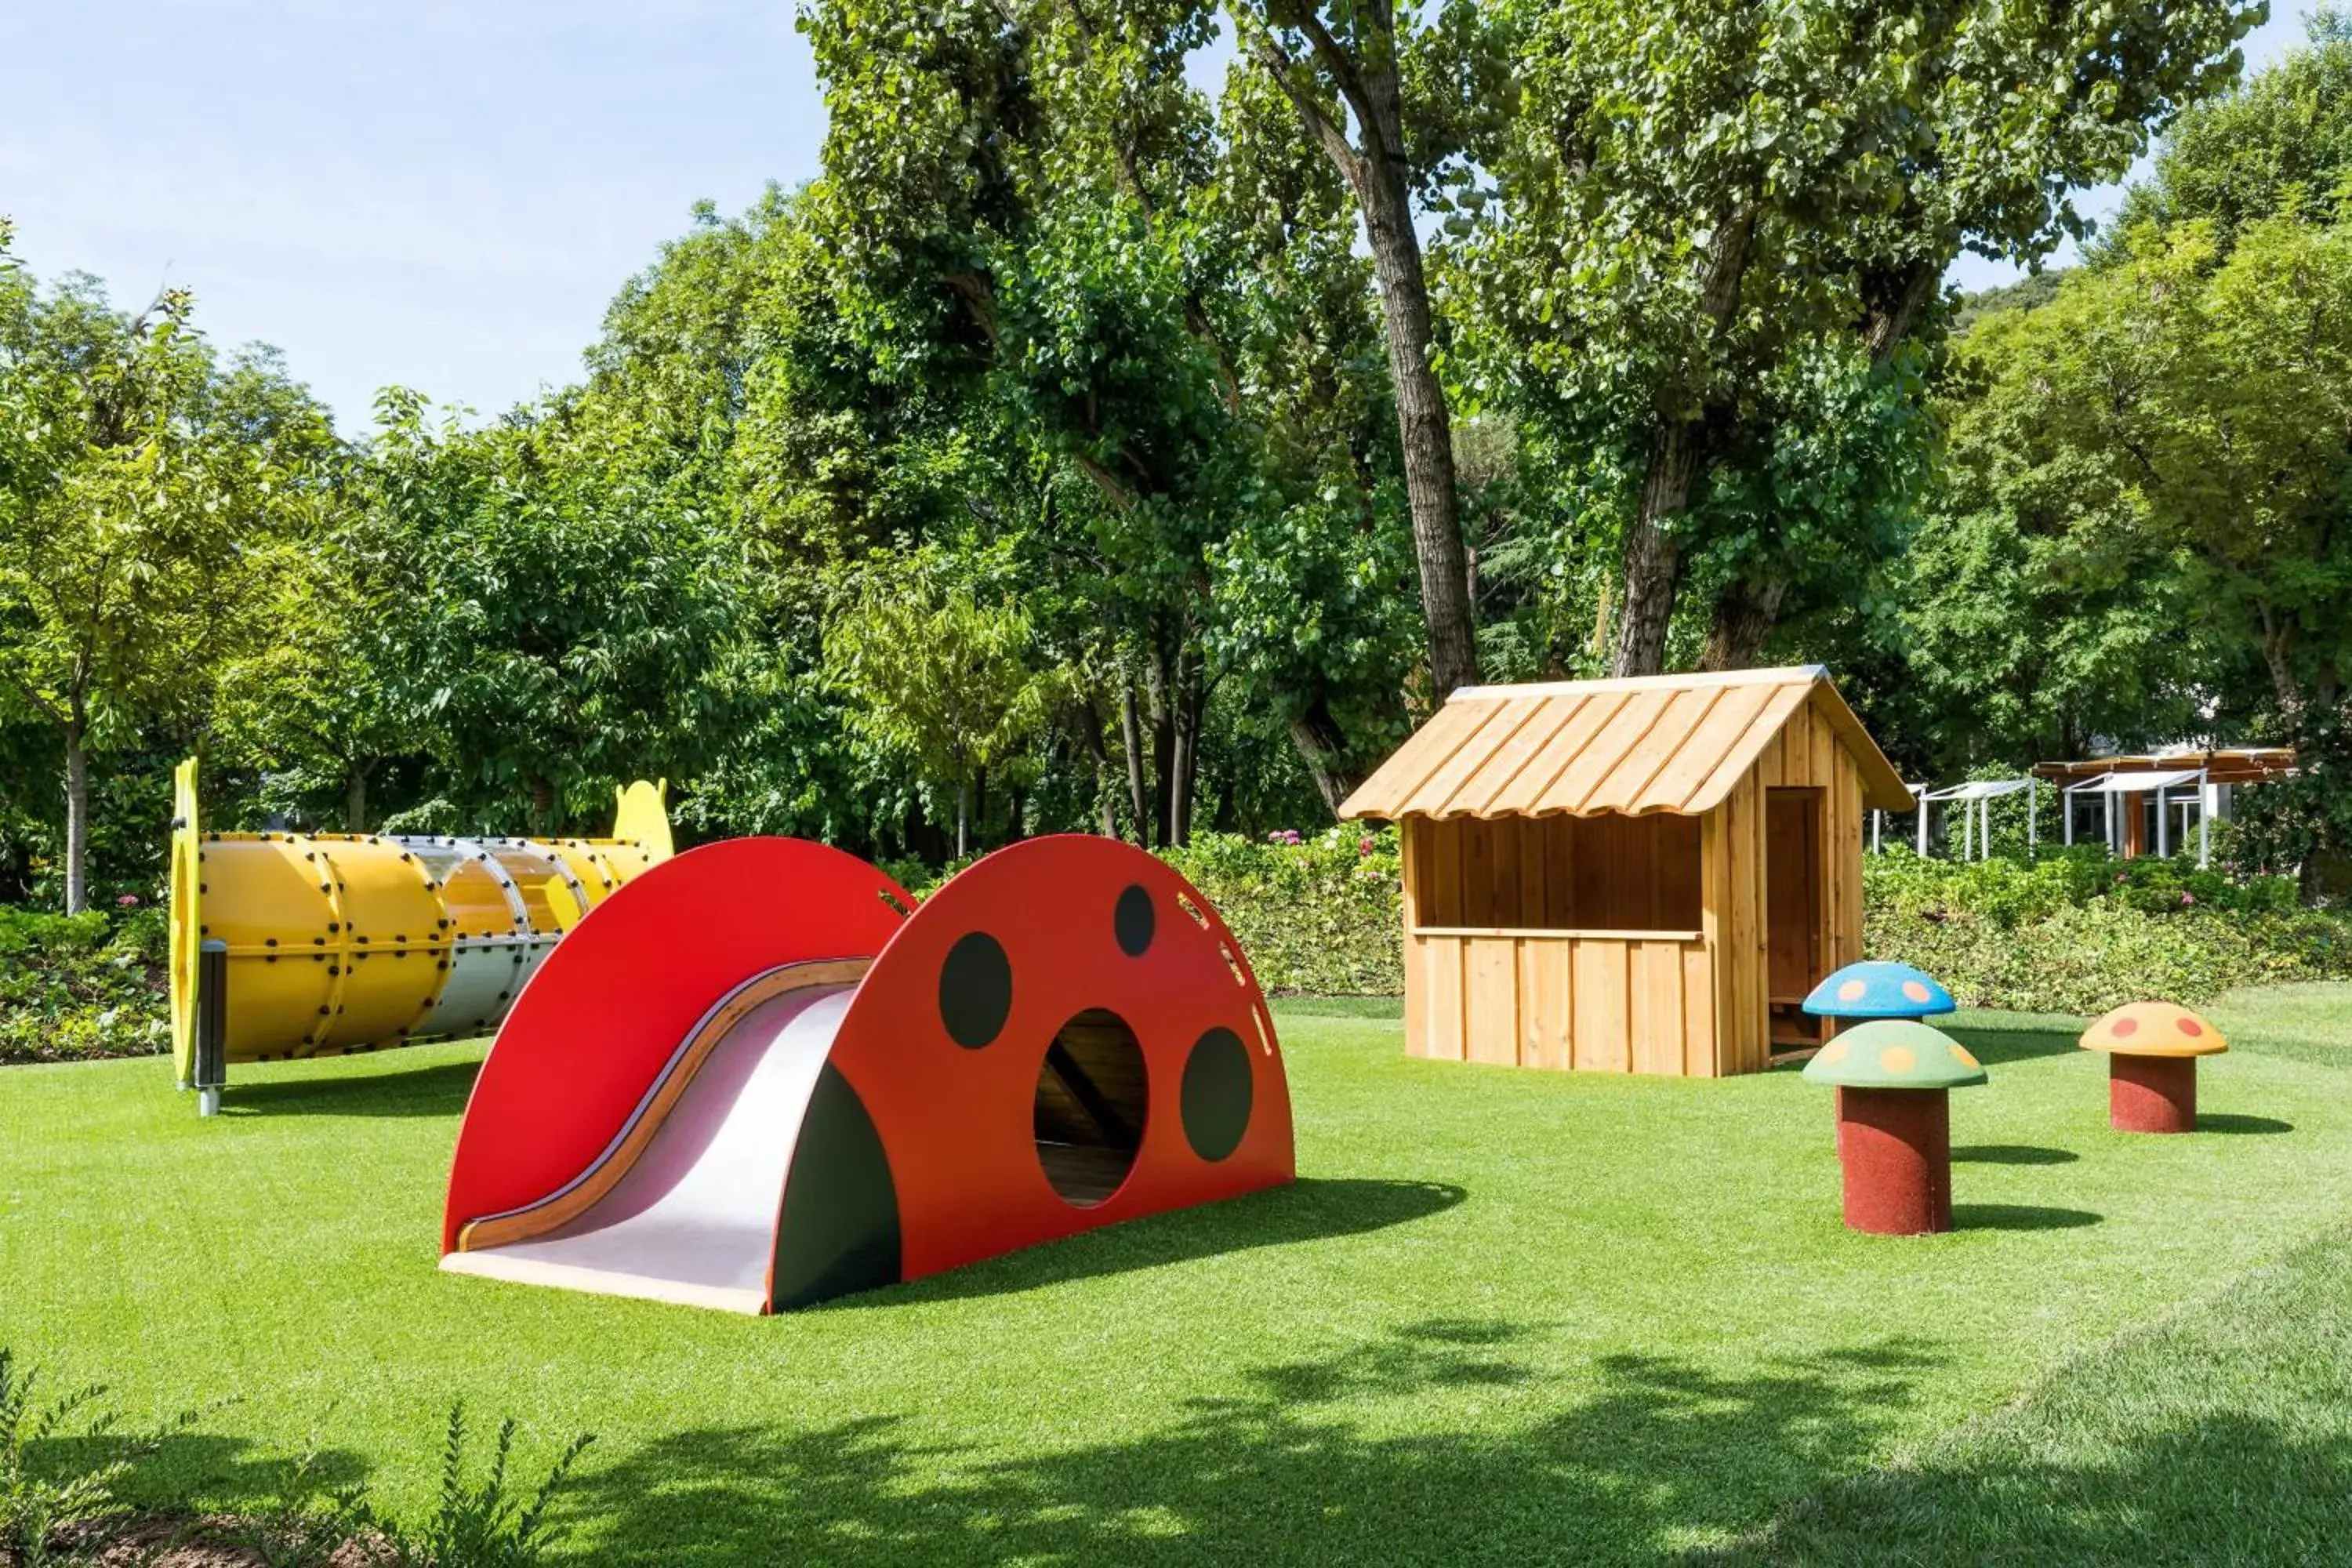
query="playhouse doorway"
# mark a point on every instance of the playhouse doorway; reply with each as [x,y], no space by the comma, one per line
[1796,940]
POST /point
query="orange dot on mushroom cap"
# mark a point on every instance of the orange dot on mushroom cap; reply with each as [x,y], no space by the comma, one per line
[1835,1051]
[2124,1027]
[1852,991]
[1962,1052]
[1915,991]
[2191,1027]
[1898,1059]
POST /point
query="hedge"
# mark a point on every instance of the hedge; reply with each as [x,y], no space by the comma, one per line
[2074,932]
[82,985]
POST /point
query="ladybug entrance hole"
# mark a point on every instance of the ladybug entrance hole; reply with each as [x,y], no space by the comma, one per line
[1091,1101]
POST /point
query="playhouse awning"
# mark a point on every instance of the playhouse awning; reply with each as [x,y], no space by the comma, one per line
[1654,743]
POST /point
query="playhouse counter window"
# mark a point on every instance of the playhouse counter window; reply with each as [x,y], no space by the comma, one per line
[1598,876]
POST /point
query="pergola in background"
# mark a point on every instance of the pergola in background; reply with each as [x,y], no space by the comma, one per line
[1974,800]
[2132,779]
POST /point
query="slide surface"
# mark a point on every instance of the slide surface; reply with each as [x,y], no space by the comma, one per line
[692,1219]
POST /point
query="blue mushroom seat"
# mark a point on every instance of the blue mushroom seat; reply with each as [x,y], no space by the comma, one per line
[1879,990]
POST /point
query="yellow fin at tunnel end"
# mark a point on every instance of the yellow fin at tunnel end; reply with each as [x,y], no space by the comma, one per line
[641,817]
[187,927]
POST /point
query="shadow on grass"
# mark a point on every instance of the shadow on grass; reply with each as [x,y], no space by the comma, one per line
[230,1471]
[1993,1046]
[1301,1462]
[1307,1210]
[2226,1487]
[436,1091]
[2020,1216]
[2013,1154]
[2235,1126]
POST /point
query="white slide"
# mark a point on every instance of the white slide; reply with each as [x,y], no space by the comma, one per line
[693,1220]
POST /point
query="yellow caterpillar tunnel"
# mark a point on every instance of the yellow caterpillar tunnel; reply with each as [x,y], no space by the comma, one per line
[327,942]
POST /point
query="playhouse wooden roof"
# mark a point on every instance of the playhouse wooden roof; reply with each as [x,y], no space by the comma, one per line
[1652,743]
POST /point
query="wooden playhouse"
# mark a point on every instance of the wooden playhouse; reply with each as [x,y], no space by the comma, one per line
[1630,875]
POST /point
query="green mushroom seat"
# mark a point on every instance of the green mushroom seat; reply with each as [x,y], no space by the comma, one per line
[1895,1052]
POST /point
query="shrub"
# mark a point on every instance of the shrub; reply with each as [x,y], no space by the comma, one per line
[74,986]
[1316,915]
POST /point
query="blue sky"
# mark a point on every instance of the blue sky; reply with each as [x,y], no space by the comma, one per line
[443,194]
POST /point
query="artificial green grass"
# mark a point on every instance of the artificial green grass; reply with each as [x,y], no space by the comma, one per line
[1504,1316]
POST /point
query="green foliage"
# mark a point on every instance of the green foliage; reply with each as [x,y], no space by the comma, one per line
[485,1523]
[1726,223]
[78,986]
[2146,512]
[936,676]
[140,476]
[37,1501]
[1316,915]
[2090,957]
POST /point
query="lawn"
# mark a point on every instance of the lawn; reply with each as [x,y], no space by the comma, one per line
[1503,1317]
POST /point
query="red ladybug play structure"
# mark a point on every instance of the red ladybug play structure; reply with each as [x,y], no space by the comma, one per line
[759,1074]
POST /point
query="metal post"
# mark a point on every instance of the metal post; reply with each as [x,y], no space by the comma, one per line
[2033,815]
[1877,827]
[1923,825]
[2066,814]
[2112,847]
[212,1026]
[2204,819]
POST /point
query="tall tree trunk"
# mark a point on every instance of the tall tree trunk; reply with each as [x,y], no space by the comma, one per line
[1090,727]
[355,777]
[1744,617]
[979,806]
[1652,565]
[1678,453]
[1157,680]
[1377,172]
[1323,747]
[1131,734]
[542,804]
[77,817]
[1425,429]
[1186,750]
[963,815]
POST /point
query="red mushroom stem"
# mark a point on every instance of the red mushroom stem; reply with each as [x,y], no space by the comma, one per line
[2151,1094]
[1896,1148]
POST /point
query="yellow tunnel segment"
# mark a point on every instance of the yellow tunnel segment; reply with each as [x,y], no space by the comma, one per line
[345,942]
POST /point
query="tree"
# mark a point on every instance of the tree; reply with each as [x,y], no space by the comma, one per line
[1714,197]
[2282,141]
[320,701]
[938,675]
[147,476]
[563,626]
[1133,336]
[1422,101]
[2200,410]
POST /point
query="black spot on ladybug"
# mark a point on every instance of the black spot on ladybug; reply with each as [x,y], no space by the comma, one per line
[1216,1097]
[975,990]
[1133,920]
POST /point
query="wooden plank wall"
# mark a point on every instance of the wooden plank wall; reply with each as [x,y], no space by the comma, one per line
[1605,1005]
[1735,883]
[1571,873]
